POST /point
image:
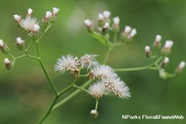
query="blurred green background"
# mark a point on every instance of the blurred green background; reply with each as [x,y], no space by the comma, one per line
[24,91]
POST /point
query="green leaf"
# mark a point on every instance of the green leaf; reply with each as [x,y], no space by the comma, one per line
[100,38]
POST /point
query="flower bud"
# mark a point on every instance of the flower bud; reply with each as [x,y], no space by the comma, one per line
[8,63]
[157,41]
[29,12]
[94,113]
[55,11]
[3,46]
[48,15]
[106,15]
[147,51]
[17,18]
[88,23]
[163,73]
[125,32]
[100,20]
[165,62]
[167,47]
[181,66]
[20,43]
[105,28]
[132,33]
[115,26]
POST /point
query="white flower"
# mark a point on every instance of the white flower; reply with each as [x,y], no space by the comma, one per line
[88,23]
[103,71]
[88,60]
[19,41]
[55,11]
[30,24]
[106,14]
[48,15]
[116,20]
[132,33]
[168,44]
[17,17]
[127,29]
[97,90]
[67,63]
[115,86]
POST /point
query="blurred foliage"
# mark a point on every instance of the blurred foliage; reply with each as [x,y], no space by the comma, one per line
[25,93]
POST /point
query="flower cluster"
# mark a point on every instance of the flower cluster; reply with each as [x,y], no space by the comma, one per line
[32,24]
[105,24]
[107,81]
[162,53]
[73,64]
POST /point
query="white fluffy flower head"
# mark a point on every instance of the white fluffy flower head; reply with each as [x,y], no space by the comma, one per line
[116,87]
[66,63]
[88,60]
[103,71]
[97,90]
[30,24]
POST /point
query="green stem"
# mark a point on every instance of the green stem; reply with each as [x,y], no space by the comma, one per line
[107,55]
[11,55]
[134,69]
[97,102]
[71,95]
[38,50]
[18,57]
[48,78]
[115,37]
[67,88]
[49,110]
[30,44]
[82,89]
